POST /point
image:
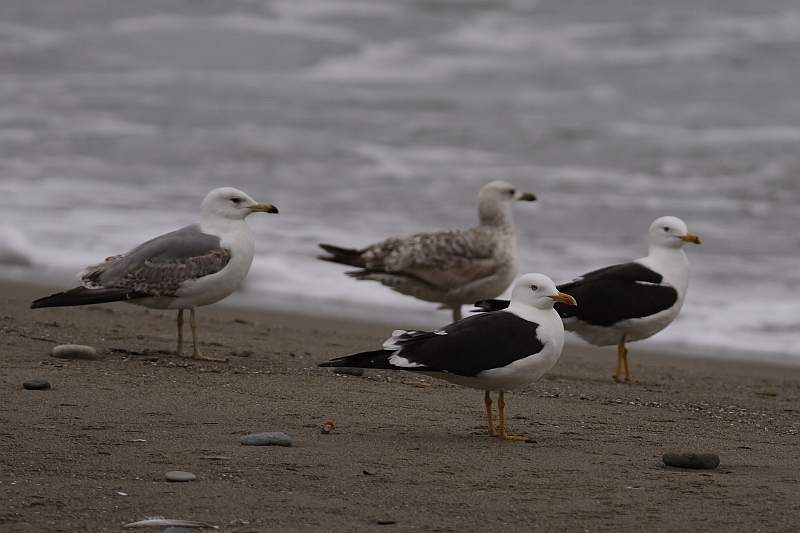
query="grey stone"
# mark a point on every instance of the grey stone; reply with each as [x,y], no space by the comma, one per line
[268,438]
[684,459]
[75,351]
[179,476]
[36,384]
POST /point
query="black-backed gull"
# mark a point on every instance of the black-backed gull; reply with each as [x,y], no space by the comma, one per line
[629,301]
[495,351]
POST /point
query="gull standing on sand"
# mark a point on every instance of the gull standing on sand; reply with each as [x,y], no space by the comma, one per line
[629,301]
[199,264]
[451,267]
[495,351]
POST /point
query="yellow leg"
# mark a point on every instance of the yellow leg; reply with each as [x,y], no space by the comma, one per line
[487,400]
[501,406]
[193,325]
[628,378]
[622,363]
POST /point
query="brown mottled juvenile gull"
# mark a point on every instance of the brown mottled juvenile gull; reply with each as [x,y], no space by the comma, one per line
[451,267]
[495,351]
[199,264]
[629,301]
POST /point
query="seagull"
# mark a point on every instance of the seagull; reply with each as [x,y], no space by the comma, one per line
[199,264]
[629,301]
[451,267]
[495,351]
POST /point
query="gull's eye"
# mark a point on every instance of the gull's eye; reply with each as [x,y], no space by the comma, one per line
[236,200]
[512,192]
[534,287]
[666,229]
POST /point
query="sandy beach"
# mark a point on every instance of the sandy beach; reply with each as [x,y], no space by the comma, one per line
[408,453]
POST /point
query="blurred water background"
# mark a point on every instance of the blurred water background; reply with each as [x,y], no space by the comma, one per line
[362,119]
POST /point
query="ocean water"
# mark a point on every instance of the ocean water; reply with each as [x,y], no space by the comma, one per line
[362,119]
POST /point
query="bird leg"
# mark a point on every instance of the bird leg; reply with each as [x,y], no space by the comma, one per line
[622,362]
[197,354]
[487,400]
[180,334]
[457,313]
[501,406]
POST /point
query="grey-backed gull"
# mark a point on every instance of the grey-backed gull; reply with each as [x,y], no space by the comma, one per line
[199,264]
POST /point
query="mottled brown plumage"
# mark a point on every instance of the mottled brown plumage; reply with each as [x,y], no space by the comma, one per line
[452,267]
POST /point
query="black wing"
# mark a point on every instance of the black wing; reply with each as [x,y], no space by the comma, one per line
[493,304]
[467,347]
[619,292]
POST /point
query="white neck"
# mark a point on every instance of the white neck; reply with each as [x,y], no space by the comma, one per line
[673,263]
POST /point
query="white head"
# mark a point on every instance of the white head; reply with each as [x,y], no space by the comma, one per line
[537,290]
[230,203]
[670,232]
[495,201]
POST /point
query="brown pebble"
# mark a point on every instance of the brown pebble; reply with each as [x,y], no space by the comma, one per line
[327,427]
[682,459]
[36,384]
[74,351]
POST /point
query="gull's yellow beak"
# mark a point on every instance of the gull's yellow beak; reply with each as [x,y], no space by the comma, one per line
[564,299]
[264,208]
[691,237]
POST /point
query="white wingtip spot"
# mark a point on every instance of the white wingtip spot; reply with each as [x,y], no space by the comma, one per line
[402,362]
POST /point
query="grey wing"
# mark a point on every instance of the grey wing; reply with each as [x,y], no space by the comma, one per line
[159,266]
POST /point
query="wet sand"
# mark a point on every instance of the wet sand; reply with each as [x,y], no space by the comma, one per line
[90,453]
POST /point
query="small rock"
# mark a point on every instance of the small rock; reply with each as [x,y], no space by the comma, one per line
[683,459]
[179,476]
[327,427]
[347,371]
[268,438]
[36,384]
[75,351]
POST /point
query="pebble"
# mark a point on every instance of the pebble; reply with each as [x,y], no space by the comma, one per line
[347,371]
[268,438]
[327,427]
[683,459]
[179,476]
[36,384]
[75,351]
